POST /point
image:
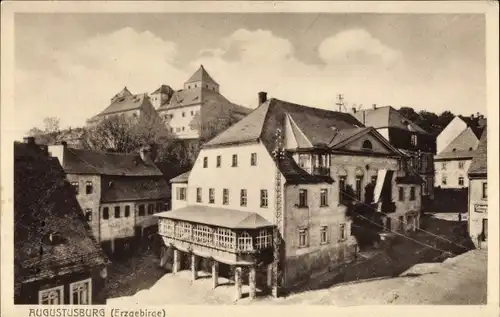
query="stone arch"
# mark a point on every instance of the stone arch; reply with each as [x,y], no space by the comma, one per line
[341,171]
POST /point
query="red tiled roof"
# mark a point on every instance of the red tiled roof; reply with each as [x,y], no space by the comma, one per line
[44,203]
[216,216]
[134,188]
[201,75]
[479,164]
[79,161]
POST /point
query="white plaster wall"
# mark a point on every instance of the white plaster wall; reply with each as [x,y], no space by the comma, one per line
[452,173]
[245,176]
[178,121]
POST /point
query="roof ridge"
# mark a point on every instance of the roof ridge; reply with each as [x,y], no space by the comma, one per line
[105,152]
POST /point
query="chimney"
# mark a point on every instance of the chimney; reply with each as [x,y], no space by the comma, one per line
[374,106]
[146,154]
[29,140]
[472,116]
[262,97]
[353,110]
[58,150]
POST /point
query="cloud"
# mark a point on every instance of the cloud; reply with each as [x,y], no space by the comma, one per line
[84,76]
[356,46]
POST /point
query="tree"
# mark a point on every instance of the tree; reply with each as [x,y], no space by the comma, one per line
[51,124]
[409,113]
[121,133]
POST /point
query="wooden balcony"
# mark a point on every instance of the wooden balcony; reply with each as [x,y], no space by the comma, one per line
[229,236]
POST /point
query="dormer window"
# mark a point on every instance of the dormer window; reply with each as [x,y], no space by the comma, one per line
[89,187]
[367,145]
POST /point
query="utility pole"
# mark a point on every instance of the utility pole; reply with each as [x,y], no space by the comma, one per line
[278,154]
[340,102]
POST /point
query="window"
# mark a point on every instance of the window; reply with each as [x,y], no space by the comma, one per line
[443,180]
[414,139]
[253,159]
[304,161]
[359,185]
[324,197]
[302,238]
[88,187]
[159,207]
[218,160]
[127,211]
[183,114]
[181,193]
[235,160]
[117,211]
[443,166]
[412,193]
[263,240]
[183,231]
[485,229]
[76,187]
[367,145]
[192,113]
[205,162]
[461,181]
[401,194]
[323,234]
[51,296]
[374,179]
[401,223]
[225,196]
[211,196]
[202,234]
[198,195]
[88,214]
[243,197]
[302,197]
[225,238]
[245,242]
[461,165]
[105,213]
[141,210]
[342,188]
[342,232]
[485,190]
[182,128]
[151,209]
[263,198]
[81,292]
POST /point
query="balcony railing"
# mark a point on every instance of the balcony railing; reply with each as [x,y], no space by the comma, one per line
[318,170]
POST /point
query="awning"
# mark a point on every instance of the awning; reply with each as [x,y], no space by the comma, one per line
[216,216]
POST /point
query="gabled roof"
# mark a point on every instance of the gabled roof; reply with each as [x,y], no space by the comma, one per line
[323,128]
[126,103]
[216,216]
[183,178]
[45,203]
[463,146]
[479,164]
[384,117]
[201,75]
[79,161]
[134,188]
[476,124]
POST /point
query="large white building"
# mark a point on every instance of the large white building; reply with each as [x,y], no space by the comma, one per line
[197,109]
[225,207]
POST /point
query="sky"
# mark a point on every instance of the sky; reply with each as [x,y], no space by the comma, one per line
[70,65]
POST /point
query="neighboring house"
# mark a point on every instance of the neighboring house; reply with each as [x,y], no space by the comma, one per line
[452,163]
[199,108]
[224,209]
[56,259]
[478,194]
[127,104]
[119,193]
[414,142]
[458,125]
